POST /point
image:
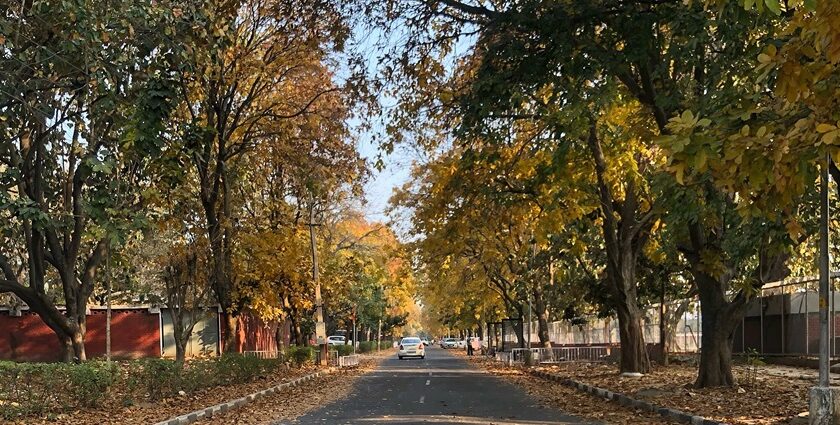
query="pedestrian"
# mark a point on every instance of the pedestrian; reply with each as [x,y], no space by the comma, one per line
[469,347]
[476,345]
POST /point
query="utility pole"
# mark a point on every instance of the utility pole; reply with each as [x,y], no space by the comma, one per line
[379,337]
[823,397]
[108,305]
[320,326]
[354,330]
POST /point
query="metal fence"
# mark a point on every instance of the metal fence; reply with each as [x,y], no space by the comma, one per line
[348,361]
[261,354]
[558,354]
[783,320]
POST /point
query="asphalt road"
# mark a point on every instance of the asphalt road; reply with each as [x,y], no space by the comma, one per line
[442,389]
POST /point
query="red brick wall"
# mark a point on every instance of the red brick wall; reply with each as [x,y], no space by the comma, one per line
[135,333]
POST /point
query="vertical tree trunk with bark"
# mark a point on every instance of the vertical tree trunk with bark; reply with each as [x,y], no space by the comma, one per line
[542,316]
[720,315]
[624,237]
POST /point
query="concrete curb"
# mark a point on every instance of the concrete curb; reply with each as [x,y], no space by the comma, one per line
[672,414]
[209,412]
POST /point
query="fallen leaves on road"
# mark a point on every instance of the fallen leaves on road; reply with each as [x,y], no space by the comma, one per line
[296,401]
[571,401]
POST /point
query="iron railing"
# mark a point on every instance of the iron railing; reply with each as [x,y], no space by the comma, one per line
[348,361]
[558,354]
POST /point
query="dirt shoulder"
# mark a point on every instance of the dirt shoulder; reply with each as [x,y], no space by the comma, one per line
[761,398]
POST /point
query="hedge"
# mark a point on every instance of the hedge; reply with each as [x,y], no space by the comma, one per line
[37,388]
[28,389]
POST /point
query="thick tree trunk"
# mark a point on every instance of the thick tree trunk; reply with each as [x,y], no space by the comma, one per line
[716,351]
[624,237]
[542,317]
[520,330]
[232,335]
[634,356]
[78,339]
[180,351]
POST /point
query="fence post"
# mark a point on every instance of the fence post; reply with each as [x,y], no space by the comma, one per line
[761,319]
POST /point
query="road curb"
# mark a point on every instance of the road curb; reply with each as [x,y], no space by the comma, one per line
[624,400]
[209,412]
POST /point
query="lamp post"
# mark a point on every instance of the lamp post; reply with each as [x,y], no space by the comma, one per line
[823,398]
[320,326]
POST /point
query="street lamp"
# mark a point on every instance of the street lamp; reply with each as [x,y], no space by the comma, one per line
[822,409]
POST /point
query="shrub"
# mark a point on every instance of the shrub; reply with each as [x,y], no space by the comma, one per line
[344,350]
[233,368]
[369,346]
[156,378]
[36,388]
[301,355]
[90,381]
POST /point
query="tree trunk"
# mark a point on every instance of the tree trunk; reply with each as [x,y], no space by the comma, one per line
[634,356]
[180,351]
[624,237]
[232,342]
[542,317]
[716,350]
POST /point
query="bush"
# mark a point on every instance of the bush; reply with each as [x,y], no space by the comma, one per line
[161,378]
[369,346]
[344,350]
[28,389]
[156,378]
[301,355]
[233,368]
[36,388]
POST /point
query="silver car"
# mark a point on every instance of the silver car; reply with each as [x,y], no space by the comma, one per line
[449,343]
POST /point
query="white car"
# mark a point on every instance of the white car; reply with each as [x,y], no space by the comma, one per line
[462,343]
[411,347]
[336,340]
[449,343]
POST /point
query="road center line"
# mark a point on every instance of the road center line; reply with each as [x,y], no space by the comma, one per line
[428,381]
[422,399]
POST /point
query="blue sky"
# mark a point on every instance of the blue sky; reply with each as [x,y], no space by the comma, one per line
[382,183]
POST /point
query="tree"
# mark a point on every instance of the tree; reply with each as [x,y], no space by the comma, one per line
[241,73]
[65,101]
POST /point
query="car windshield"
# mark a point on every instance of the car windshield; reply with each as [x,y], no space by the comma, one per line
[451,339]
[411,340]
[337,337]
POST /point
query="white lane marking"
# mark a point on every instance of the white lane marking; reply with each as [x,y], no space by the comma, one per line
[422,399]
[430,373]
[428,381]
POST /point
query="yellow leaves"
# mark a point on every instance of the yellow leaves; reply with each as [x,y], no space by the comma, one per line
[679,172]
[830,133]
[825,128]
[794,229]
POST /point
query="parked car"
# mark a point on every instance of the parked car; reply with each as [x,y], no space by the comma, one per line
[462,343]
[411,347]
[336,340]
[449,343]
[426,342]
